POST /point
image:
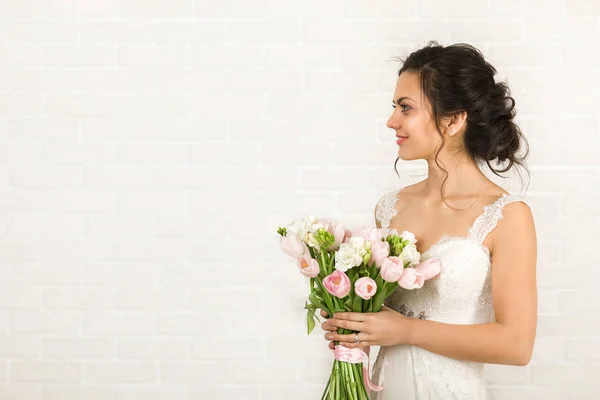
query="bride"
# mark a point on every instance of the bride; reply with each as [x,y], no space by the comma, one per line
[482,308]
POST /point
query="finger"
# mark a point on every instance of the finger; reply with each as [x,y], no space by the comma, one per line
[326,326]
[341,323]
[351,337]
[351,316]
[324,313]
[332,345]
[359,345]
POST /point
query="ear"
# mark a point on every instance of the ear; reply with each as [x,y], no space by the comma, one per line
[454,123]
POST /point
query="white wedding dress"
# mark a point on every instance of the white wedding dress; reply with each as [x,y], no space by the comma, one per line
[461,294]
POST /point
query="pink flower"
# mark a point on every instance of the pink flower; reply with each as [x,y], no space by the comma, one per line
[337,284]
[430,268]
[365,288]
[338,231]
[292,245]
[381,251]
[347,235]
[392,269]
[308,266]
[371,234]
[411,279]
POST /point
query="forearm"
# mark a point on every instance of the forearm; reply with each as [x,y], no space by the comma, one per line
[491,343]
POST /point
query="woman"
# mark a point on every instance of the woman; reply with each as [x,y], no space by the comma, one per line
[482,308]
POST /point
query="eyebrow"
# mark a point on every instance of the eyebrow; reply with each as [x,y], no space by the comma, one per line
[402,98]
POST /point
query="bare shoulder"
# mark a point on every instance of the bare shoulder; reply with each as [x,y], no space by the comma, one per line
[518,214]
[516,228]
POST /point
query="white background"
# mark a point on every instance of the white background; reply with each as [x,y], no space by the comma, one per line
[149,150]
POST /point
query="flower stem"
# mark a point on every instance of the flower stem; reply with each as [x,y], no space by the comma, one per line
[351,368]
[337,381]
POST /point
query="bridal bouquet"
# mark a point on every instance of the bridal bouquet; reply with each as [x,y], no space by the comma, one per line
[352,271]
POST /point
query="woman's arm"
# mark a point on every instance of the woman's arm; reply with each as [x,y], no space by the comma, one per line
[510,339]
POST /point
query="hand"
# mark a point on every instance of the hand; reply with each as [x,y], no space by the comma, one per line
[384,328]
[326,326]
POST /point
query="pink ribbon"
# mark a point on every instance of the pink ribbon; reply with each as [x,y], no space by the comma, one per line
[357,356]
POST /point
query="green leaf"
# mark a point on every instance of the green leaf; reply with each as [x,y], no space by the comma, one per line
[314,299]
[373,271]
[357,304]
[348,304]
[352,272]
[376,302]
[310,320]
[379,281]
[390,289]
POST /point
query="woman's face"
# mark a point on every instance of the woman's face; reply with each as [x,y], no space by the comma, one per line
[411,120]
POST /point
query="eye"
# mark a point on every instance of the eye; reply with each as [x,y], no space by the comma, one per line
[404,107]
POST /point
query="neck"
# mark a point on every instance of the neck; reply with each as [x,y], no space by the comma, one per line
[464,178]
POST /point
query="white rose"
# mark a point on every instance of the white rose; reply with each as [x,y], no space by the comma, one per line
[410,254]
[345,257]
[406,235]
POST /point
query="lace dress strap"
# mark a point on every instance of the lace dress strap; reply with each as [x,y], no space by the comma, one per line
[489,218]
[385,209]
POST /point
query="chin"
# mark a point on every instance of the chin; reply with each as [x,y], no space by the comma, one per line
[407,155]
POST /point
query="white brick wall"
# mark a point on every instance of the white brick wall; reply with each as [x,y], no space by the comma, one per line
[150,148]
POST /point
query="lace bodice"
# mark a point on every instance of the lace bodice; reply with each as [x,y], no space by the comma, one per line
[464,284]
[460,294]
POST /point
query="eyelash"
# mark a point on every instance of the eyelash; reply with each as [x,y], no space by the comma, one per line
[402,105]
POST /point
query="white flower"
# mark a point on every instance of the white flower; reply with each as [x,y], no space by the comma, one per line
[406,235]
[305,228]
[346,257]
[410,254]
[357,241]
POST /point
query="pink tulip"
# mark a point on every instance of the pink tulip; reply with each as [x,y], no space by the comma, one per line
[430,268]
[337,284]
[381,251]
[392,269]
[365,288]
[338,231]
[292,245]
[411,279]
[308,266]
[371,234]
[347,235]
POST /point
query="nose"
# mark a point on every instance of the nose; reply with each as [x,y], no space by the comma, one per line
[394,121]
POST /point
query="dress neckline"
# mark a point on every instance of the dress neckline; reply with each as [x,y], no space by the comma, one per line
[445,238]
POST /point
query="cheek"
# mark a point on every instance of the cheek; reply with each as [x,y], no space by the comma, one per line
[421,130]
